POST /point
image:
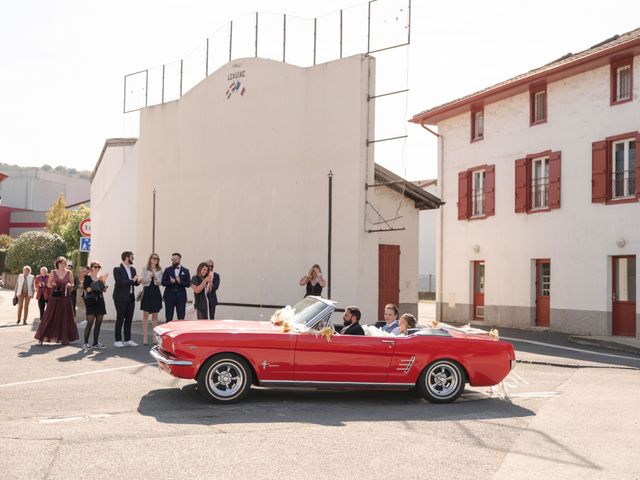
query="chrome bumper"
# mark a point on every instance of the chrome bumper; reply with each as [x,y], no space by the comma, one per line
[162,358]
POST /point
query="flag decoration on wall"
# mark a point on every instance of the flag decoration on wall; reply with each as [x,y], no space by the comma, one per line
[235,87]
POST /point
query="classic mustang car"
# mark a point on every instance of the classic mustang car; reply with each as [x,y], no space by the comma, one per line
[227,357]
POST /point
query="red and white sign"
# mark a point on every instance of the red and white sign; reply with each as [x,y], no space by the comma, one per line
[85,227]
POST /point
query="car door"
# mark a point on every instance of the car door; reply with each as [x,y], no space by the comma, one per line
[343,359]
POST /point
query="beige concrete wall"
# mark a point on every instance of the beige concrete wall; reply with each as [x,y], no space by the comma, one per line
[244,179]
[392,205]
[114,213]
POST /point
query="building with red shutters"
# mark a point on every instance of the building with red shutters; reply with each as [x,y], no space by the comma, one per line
[541,184]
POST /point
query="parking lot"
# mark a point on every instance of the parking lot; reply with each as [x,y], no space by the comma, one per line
[111,414]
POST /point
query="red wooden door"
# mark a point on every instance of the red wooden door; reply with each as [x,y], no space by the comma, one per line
[388,277]
[624,295]
[543,292]
[478,290]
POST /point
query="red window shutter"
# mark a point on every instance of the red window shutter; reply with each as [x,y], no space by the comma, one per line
[463,195]
[638,164]
[554,180]
[490,190]
[599,180]
[521,185]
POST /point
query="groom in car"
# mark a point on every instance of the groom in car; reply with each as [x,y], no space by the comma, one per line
[351,321]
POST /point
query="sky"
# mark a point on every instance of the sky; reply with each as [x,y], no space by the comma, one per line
[62,62]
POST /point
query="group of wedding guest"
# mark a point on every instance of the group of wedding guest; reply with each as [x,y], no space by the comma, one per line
[397,325]
[175,280]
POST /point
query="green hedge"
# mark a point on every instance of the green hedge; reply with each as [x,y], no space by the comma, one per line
[36,249]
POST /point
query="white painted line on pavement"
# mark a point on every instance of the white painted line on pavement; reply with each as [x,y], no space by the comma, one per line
[534,395]
[27,382]
[581,350]
[73,419]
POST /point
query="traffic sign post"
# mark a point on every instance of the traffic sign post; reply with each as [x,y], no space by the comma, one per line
[85,244]
[85,227]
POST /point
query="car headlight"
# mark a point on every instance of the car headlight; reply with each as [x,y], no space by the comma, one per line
[159,341]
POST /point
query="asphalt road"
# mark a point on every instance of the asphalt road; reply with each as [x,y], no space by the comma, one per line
[111,414]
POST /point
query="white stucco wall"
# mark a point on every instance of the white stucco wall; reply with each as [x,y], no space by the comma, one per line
[114,212]
[578,237]
[427,247]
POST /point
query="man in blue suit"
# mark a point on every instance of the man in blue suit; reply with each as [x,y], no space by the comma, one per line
[176,279]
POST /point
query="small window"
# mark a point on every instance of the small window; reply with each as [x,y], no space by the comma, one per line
[477,125]
[539,183]
[538,104]
[623,168]
[477,193]
[622,81]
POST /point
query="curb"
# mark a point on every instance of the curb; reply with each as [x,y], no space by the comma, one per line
[620,347]
[575,365]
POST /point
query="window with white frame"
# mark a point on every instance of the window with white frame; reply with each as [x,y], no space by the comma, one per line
[477,193]
[478,125]
[623,83]
[539,183]
[539,106]
[623,168]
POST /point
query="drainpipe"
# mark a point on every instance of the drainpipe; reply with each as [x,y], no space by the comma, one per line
[440,188]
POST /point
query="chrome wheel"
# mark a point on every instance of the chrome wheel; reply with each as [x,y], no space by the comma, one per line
[443,379]
[225,378]
[442,382]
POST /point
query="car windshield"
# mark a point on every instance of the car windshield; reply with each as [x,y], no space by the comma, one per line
[306,309]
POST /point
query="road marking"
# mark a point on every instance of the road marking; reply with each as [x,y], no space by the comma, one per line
[534,395]
[581,350]
[73,419]
[40,380]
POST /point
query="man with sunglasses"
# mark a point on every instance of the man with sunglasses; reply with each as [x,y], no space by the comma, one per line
[125,280]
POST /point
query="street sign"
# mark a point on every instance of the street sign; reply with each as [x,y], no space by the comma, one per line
[85,227]
[85,244]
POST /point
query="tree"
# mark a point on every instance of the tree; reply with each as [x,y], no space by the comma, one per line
[46,167]
[5,241]
[57,216]
[36,249]
[70,231]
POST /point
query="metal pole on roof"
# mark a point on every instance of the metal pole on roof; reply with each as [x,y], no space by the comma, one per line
[284,37]
[340,33]
[146,88]
[162,84]
[256,55]
[368,26]
[206,61]
[230,38]
[315,32]
[181,68]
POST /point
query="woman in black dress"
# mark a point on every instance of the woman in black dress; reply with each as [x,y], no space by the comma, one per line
[94,287]
[199,283]
[151,297]
[313,281]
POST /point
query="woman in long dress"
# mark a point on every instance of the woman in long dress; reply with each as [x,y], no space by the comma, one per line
[59,322]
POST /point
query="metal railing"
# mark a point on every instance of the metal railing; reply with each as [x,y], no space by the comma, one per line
[373,27]
[623,184]
[540,192]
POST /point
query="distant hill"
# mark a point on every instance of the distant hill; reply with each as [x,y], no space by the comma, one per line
[70,172]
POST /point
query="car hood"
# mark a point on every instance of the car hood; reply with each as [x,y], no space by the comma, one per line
[228,326]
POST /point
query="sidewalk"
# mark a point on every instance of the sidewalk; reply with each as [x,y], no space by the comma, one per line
[427,313]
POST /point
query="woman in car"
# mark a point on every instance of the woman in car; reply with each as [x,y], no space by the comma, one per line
[406,322]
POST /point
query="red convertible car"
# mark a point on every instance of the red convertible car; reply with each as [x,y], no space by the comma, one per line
[227,357]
